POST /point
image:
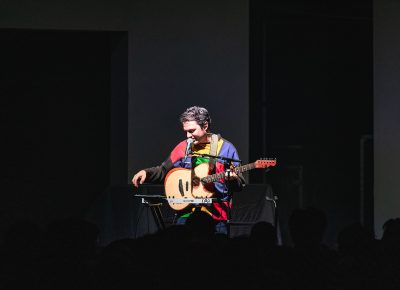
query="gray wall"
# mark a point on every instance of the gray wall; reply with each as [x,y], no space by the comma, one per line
[386,111]
[181,53]
[191,53]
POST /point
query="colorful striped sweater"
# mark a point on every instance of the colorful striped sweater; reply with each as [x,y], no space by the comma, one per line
[219,210]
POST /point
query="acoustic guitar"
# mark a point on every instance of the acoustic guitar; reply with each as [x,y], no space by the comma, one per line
[184,186]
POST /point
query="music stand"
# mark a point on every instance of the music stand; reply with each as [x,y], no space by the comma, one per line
[154,202]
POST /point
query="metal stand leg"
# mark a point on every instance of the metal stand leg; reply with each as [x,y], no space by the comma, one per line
[156,211]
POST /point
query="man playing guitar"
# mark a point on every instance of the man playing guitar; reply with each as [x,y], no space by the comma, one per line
[195,152]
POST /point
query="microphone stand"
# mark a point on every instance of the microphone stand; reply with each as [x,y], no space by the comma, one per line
[219,157]
[227,165]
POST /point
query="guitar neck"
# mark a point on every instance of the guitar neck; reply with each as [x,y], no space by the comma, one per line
[217,176]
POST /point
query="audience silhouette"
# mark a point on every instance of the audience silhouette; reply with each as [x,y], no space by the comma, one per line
[66,255]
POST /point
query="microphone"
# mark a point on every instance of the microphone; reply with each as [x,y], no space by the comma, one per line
[189,143]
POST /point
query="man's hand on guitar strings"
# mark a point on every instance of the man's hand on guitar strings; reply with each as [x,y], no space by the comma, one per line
[230,175]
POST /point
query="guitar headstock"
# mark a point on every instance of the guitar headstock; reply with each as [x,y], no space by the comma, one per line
[265,162]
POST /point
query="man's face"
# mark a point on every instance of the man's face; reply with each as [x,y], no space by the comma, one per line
[195,131]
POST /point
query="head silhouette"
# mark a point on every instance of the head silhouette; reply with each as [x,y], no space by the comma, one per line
[307,227]
[201,224]
[263,234]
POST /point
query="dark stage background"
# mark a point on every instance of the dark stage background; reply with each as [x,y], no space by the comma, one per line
[311,103]
[59,93]
[72,101]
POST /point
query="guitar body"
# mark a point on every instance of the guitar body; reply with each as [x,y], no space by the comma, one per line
[179,184]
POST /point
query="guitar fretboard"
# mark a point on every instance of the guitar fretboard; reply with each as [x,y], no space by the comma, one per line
[217,176]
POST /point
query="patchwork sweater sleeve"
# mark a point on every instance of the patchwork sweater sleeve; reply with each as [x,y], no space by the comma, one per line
[158,173]
[236,184]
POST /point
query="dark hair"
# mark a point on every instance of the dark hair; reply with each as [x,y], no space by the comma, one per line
[198,114]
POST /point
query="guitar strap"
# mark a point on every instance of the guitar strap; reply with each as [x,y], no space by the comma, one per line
[213,151]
